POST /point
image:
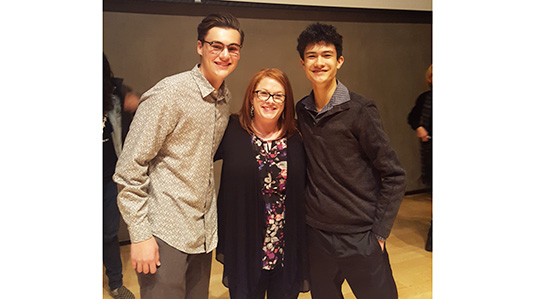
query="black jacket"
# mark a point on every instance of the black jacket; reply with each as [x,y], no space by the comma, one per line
[355,182]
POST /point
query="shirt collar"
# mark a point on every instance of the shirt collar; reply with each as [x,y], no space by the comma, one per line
[340,96]
[207,89]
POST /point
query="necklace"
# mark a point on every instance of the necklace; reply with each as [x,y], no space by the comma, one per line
[266,136]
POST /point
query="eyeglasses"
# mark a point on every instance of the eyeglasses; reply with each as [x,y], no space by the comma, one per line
[217,47]
[264,96]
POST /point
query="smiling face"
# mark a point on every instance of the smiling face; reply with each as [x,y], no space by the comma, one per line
[320,63]
[268,112]
[216,67]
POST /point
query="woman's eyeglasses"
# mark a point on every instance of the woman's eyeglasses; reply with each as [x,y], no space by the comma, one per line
[264,96]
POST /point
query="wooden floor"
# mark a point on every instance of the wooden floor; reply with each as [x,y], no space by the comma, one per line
[411,264]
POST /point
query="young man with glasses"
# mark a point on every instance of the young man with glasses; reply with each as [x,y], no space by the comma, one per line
[165,172]
[355,182]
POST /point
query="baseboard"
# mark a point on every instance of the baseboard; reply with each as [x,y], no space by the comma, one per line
[125,242]
[412,192]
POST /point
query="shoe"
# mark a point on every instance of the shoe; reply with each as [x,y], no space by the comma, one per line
[122,293]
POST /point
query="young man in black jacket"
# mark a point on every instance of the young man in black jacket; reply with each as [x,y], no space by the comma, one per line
[355,182]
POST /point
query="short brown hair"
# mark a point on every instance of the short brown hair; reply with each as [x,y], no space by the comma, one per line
[222,20]
[287,119]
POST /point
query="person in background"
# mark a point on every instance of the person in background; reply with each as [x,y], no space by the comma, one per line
[261,202]
[165,173]
[421,120]
[117,108]
[355,183]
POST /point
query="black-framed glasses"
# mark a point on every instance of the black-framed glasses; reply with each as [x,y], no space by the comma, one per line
[217,47]
[264,96]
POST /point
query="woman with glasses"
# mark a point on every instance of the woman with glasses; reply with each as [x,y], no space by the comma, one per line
[261,221]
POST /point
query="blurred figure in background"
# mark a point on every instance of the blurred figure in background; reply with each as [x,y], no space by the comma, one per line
[421,120]
[118,107]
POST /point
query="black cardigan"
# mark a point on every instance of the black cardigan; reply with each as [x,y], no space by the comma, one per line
[241,213]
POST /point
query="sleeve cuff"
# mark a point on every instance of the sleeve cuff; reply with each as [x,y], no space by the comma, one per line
[380,238]
[140,232]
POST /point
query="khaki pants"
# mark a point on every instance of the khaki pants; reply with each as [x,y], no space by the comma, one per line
[181,275]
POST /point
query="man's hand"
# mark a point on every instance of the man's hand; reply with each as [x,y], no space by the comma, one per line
[131,101]
[422,133]
[145,256]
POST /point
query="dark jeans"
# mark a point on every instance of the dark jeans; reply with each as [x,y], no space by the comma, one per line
[426,156]
[111,250]
[356,258]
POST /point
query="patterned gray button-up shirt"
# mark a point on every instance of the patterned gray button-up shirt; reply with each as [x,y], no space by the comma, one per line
[165,171]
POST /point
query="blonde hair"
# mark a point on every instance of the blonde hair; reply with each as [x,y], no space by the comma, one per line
[429,76]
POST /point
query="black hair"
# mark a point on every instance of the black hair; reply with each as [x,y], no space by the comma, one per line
[107,85]
[319,33]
